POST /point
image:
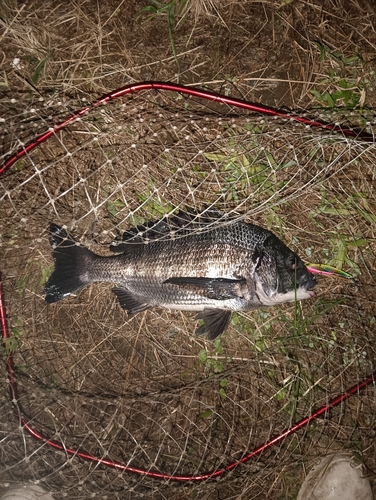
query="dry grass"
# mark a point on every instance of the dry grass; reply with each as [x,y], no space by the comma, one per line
[137,390]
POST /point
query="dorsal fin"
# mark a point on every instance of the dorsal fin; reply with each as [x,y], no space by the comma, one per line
[169,227]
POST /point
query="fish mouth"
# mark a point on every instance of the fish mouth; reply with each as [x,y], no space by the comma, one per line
[305,289]
[308,282]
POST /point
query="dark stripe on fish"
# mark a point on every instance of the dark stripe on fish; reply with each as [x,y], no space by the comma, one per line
[212,288]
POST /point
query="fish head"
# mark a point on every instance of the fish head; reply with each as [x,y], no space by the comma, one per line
[280,275]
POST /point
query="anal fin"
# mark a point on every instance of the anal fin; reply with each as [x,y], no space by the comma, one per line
[129,302]
[215,324]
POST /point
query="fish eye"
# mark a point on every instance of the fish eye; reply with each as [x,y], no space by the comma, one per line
[291,262]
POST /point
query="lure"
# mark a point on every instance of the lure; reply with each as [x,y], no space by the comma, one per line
[326,270]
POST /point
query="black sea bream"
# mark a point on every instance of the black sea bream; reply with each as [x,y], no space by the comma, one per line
[188,262]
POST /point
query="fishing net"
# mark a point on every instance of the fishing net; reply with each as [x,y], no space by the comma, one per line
[143,396]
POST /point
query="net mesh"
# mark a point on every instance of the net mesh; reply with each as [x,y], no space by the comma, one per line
[144,391]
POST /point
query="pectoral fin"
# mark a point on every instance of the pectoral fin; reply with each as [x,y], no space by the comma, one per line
[129,302]
[216,322]
[212,288]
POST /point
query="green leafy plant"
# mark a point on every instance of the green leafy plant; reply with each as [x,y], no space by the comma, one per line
[341,244]
[214,363]
[46,272]
[338,56]
[206,414]
[353,204]
[244,172]
[155,206]
[348,92]
[222,390]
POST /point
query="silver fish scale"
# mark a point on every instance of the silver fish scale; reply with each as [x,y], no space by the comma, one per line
[233,267]
[224,252]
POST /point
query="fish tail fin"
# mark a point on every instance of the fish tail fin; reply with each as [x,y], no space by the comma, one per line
[72,263]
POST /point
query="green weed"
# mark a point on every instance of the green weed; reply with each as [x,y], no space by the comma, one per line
[22,285]
[340,245]
[222,391]
[5,82]
[299,328]
[170,10]
[299,332]
[156,207]
[349,92]
[45,273]
[254,128]
[114,204]
[244,173]
[214,363]
[336,55]
[210,360]
[206,414]
[19,165]
[14,341]
[39,68]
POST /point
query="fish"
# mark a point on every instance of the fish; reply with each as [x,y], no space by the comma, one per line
[190,261]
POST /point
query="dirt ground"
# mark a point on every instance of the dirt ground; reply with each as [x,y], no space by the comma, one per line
[147,392]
